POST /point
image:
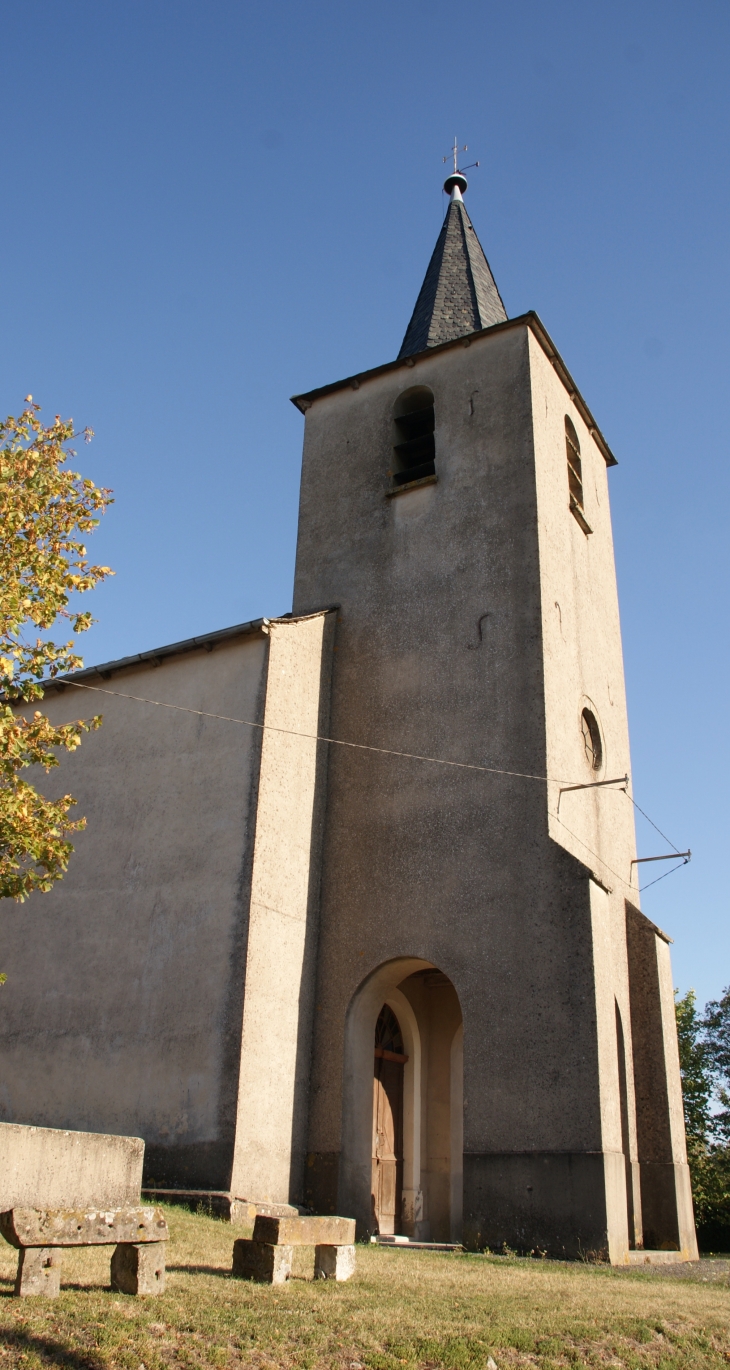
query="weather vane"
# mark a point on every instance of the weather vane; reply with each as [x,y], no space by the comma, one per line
[454,152]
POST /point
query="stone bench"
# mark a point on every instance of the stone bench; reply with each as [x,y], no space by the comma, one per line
[305,1248]
[138,1236]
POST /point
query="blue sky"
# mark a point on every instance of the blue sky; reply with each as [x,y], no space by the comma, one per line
[209,207]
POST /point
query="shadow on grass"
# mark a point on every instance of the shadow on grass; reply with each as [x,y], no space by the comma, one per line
[219,1270]
[50,1351]
[67,1287]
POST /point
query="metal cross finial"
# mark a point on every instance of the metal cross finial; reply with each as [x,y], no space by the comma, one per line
[454,152]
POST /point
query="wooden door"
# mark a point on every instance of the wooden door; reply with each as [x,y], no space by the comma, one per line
[387,1172]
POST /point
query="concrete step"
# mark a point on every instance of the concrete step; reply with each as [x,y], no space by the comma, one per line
[417,1246]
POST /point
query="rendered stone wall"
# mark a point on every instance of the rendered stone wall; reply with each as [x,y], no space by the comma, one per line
[478,620]
[283,924]
[664,1174]
[583,668]
[439,1018]
[439,652]
[123,1005]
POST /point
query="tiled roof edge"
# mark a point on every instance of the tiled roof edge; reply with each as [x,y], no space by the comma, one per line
[189,644]
[158,654]
[530,320]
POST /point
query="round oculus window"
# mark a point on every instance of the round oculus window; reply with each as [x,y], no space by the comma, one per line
[592,739]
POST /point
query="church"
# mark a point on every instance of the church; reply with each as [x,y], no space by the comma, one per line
[354,923]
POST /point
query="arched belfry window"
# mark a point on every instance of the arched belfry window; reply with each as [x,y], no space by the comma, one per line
[413,448]
[575,474]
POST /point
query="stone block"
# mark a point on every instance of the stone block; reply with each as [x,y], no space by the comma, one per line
[39,1272]
[138,1268]
[78,1227]
[45,1167]
[334,1262]
[304,1231]
[261,1261]
[243,1213]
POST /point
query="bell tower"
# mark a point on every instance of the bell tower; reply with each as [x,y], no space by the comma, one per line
[477,855]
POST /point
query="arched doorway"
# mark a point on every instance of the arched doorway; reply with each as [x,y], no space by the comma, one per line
[414,1181]
[388,1089]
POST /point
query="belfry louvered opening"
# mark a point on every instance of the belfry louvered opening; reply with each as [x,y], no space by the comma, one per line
[575,467]
[414,446]
[575,474]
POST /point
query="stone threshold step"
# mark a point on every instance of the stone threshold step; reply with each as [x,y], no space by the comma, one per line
[647,1257]
[406,1243]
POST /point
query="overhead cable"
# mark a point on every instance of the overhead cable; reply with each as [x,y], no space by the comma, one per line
[389,751]
[316,737]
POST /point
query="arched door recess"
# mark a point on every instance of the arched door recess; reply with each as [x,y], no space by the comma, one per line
[424,1004]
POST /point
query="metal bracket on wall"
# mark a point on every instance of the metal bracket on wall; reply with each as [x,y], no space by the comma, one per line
[670,856]
[593,785]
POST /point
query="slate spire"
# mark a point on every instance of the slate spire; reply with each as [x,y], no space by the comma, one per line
[459,294]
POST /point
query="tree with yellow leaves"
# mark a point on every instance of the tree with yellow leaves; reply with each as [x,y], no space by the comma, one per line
[44,510]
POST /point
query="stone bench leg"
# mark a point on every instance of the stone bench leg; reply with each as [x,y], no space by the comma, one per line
[261,1261]
[138,1268]
[334,1262]
[39,1272]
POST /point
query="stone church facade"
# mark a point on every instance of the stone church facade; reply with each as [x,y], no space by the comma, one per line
[354,923]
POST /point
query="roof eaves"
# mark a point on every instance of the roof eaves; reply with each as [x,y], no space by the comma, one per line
[158,654]
[551,352]
[529,320]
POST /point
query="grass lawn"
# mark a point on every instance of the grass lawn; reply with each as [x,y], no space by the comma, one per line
[424,1310]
